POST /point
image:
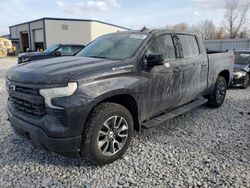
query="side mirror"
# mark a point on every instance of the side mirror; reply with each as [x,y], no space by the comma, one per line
[58,53]
[155,59]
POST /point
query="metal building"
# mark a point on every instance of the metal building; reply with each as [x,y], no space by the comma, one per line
[41,33]
[228,44]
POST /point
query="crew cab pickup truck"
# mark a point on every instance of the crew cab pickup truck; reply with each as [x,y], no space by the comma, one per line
[53,51]
[91,104]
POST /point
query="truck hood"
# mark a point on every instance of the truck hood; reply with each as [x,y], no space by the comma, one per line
[58,70]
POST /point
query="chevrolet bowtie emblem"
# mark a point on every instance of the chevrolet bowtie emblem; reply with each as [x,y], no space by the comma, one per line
[13,87]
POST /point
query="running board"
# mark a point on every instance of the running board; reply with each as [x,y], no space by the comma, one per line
[176,112]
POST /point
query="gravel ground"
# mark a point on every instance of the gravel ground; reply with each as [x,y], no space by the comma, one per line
[203,148]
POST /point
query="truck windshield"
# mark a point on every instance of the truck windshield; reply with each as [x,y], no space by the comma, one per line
[51,49]
[242,58]
[115,46]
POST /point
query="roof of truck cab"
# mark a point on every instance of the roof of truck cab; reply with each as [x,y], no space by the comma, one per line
[153,31]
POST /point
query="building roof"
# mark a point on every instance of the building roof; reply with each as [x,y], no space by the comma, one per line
[5,36]
[69,19]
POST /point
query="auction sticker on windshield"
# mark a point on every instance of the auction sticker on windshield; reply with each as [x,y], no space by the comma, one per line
[142,37]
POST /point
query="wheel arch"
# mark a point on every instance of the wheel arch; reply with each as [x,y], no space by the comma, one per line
[226,75]
[126,100]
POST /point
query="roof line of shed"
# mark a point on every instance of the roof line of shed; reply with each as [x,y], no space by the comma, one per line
[69,19]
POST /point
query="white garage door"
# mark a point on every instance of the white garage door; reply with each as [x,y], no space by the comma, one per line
[38,35]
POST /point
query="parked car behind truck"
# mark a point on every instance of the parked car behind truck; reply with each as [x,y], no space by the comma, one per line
[241,69]
[92,103]
[53,51]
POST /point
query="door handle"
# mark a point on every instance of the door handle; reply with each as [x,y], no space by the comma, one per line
[177,68]
[203,64]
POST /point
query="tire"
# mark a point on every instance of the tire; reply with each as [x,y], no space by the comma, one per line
[100,134]
[3,52]
[246,81]
[218,95]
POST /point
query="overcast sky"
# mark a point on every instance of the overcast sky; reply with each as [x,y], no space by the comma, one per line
[128,13]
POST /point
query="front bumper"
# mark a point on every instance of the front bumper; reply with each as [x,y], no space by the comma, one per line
[59,131]
[20,60]
[68,146]
[238,81]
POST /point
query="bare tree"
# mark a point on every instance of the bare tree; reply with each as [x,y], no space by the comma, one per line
[236,16]
[206,28]
[181,27]
[220,33]
[243,33]
[169,27]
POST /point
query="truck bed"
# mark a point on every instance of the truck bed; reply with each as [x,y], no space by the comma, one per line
[218,62]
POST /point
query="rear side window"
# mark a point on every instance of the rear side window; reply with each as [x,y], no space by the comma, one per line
[76,49]
[69,50]
[164,45]
[65,50]
[189,45]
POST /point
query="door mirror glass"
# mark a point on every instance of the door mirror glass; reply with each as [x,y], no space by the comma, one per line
[155,59]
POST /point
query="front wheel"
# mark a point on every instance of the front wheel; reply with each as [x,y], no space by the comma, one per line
[108,133]
[246,81]
[3,52]
[218,95]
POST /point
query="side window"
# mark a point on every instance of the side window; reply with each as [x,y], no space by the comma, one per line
[75,49]
[65,50]
[189,45]
[164,45]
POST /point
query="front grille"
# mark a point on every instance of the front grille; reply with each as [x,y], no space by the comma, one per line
[26,100]
[27,107]
[27,90]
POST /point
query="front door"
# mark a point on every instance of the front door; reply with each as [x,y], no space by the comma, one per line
[157,82]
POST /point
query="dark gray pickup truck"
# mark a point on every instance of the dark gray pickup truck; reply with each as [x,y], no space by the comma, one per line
[89,105]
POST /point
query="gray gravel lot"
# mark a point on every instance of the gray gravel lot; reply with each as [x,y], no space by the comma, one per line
[203,148]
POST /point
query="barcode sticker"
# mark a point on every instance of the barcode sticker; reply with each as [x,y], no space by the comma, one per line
[142,37]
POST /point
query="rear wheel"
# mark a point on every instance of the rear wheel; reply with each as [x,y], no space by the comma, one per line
[108,133]
[218,95]
[246,81]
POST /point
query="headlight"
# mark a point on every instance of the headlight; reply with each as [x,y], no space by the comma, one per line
[52,93]
[240,74]
[25,59]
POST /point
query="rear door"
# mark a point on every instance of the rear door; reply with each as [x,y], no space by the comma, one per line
[194,67]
